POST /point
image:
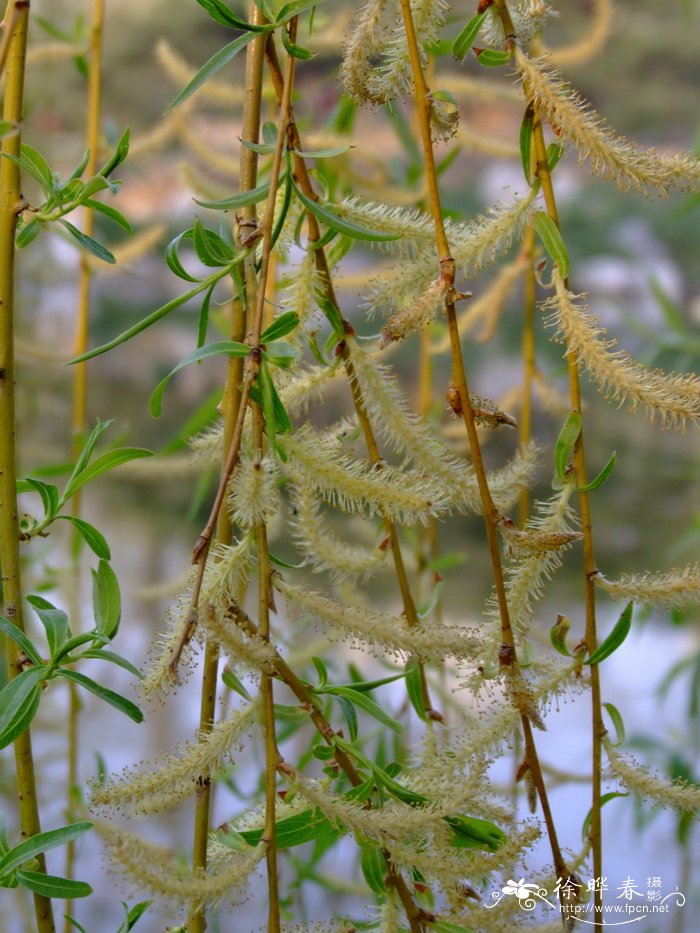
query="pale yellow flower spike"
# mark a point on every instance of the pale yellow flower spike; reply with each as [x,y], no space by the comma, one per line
[674,397]
[669,590]
[180,72]
[649,787]
[156,871]
[144,791]
[628,164]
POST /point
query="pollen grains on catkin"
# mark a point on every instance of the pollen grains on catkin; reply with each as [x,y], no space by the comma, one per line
[356,486]
[677,794]
[550,532]
[381,632]
[376,66]
[528,18]
[323,549]
[628,164]
[154,870]
[150,790]
[669,590]
[253,493]
[674,397]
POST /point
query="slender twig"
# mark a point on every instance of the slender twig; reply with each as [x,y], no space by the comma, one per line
[10,205]
[507,655]
[80,391]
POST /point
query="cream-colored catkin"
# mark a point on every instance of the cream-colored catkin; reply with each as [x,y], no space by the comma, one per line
[416,315]
[634,777]
[180,71]
[155,870]
[382,630]
[253,492]
[151,790]
[673,397]
[324,550]
[670,590]
[628,164]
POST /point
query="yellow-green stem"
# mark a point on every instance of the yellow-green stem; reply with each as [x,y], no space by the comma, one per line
[10,205]
[234,405]
[589,563]
[528,350]
[80,395]
[459,383]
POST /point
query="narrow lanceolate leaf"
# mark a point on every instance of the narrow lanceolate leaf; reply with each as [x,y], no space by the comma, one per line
[340,225]
[55,622]
[27,233]
[601,477]
[615,638]
[110,212]
[473,833]
[414,688]
[19,701]
[549,233]
[89,243]
[106,599]
[109,696]
[105,462]
[94,538]
[20,639]
[244,199]
[565,443]
[210,68]
[221,348]
[492,58]
[322,153]
[606,798]
[465,40]
[48,492]
[617,721]
[52,885]
[221,14]
[374,868]
[293,830]
[526,142]
[39,843]
[280,327]
[102,654]
[365,703]
[118,156]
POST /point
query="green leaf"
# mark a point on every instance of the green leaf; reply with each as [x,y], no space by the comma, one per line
[53,886]
[605,798]
[242,199]
[109,696]
[615,638]
[19,701]
[27,233]
[295,8]
[231,680]
[118,156]
[564,445]
[280,327]
[554,153]
[221,348]
[221,14]
[88,243]
[414,688]
[296,51]
[94,538]
[374,868]
[49,495]
[172,258]
[149,320]
[426,609]
[333,315]
[349,715]
[210,68]
[133,916]
[601,477]
[292,830]
[210,248]
[552,241]
[106,599]
[492,58]
[363,702]
[617,722]
[41,842]
[322,153]
[55,622]
[101,654]
[7,129]
[93,638]
[526,141]
[107,461]
[473,833]
[321,670]
[465,40]
[89,447]
[339,225]
[37,166]
[397,790]
[110,212]
[20,639]
[558,633]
